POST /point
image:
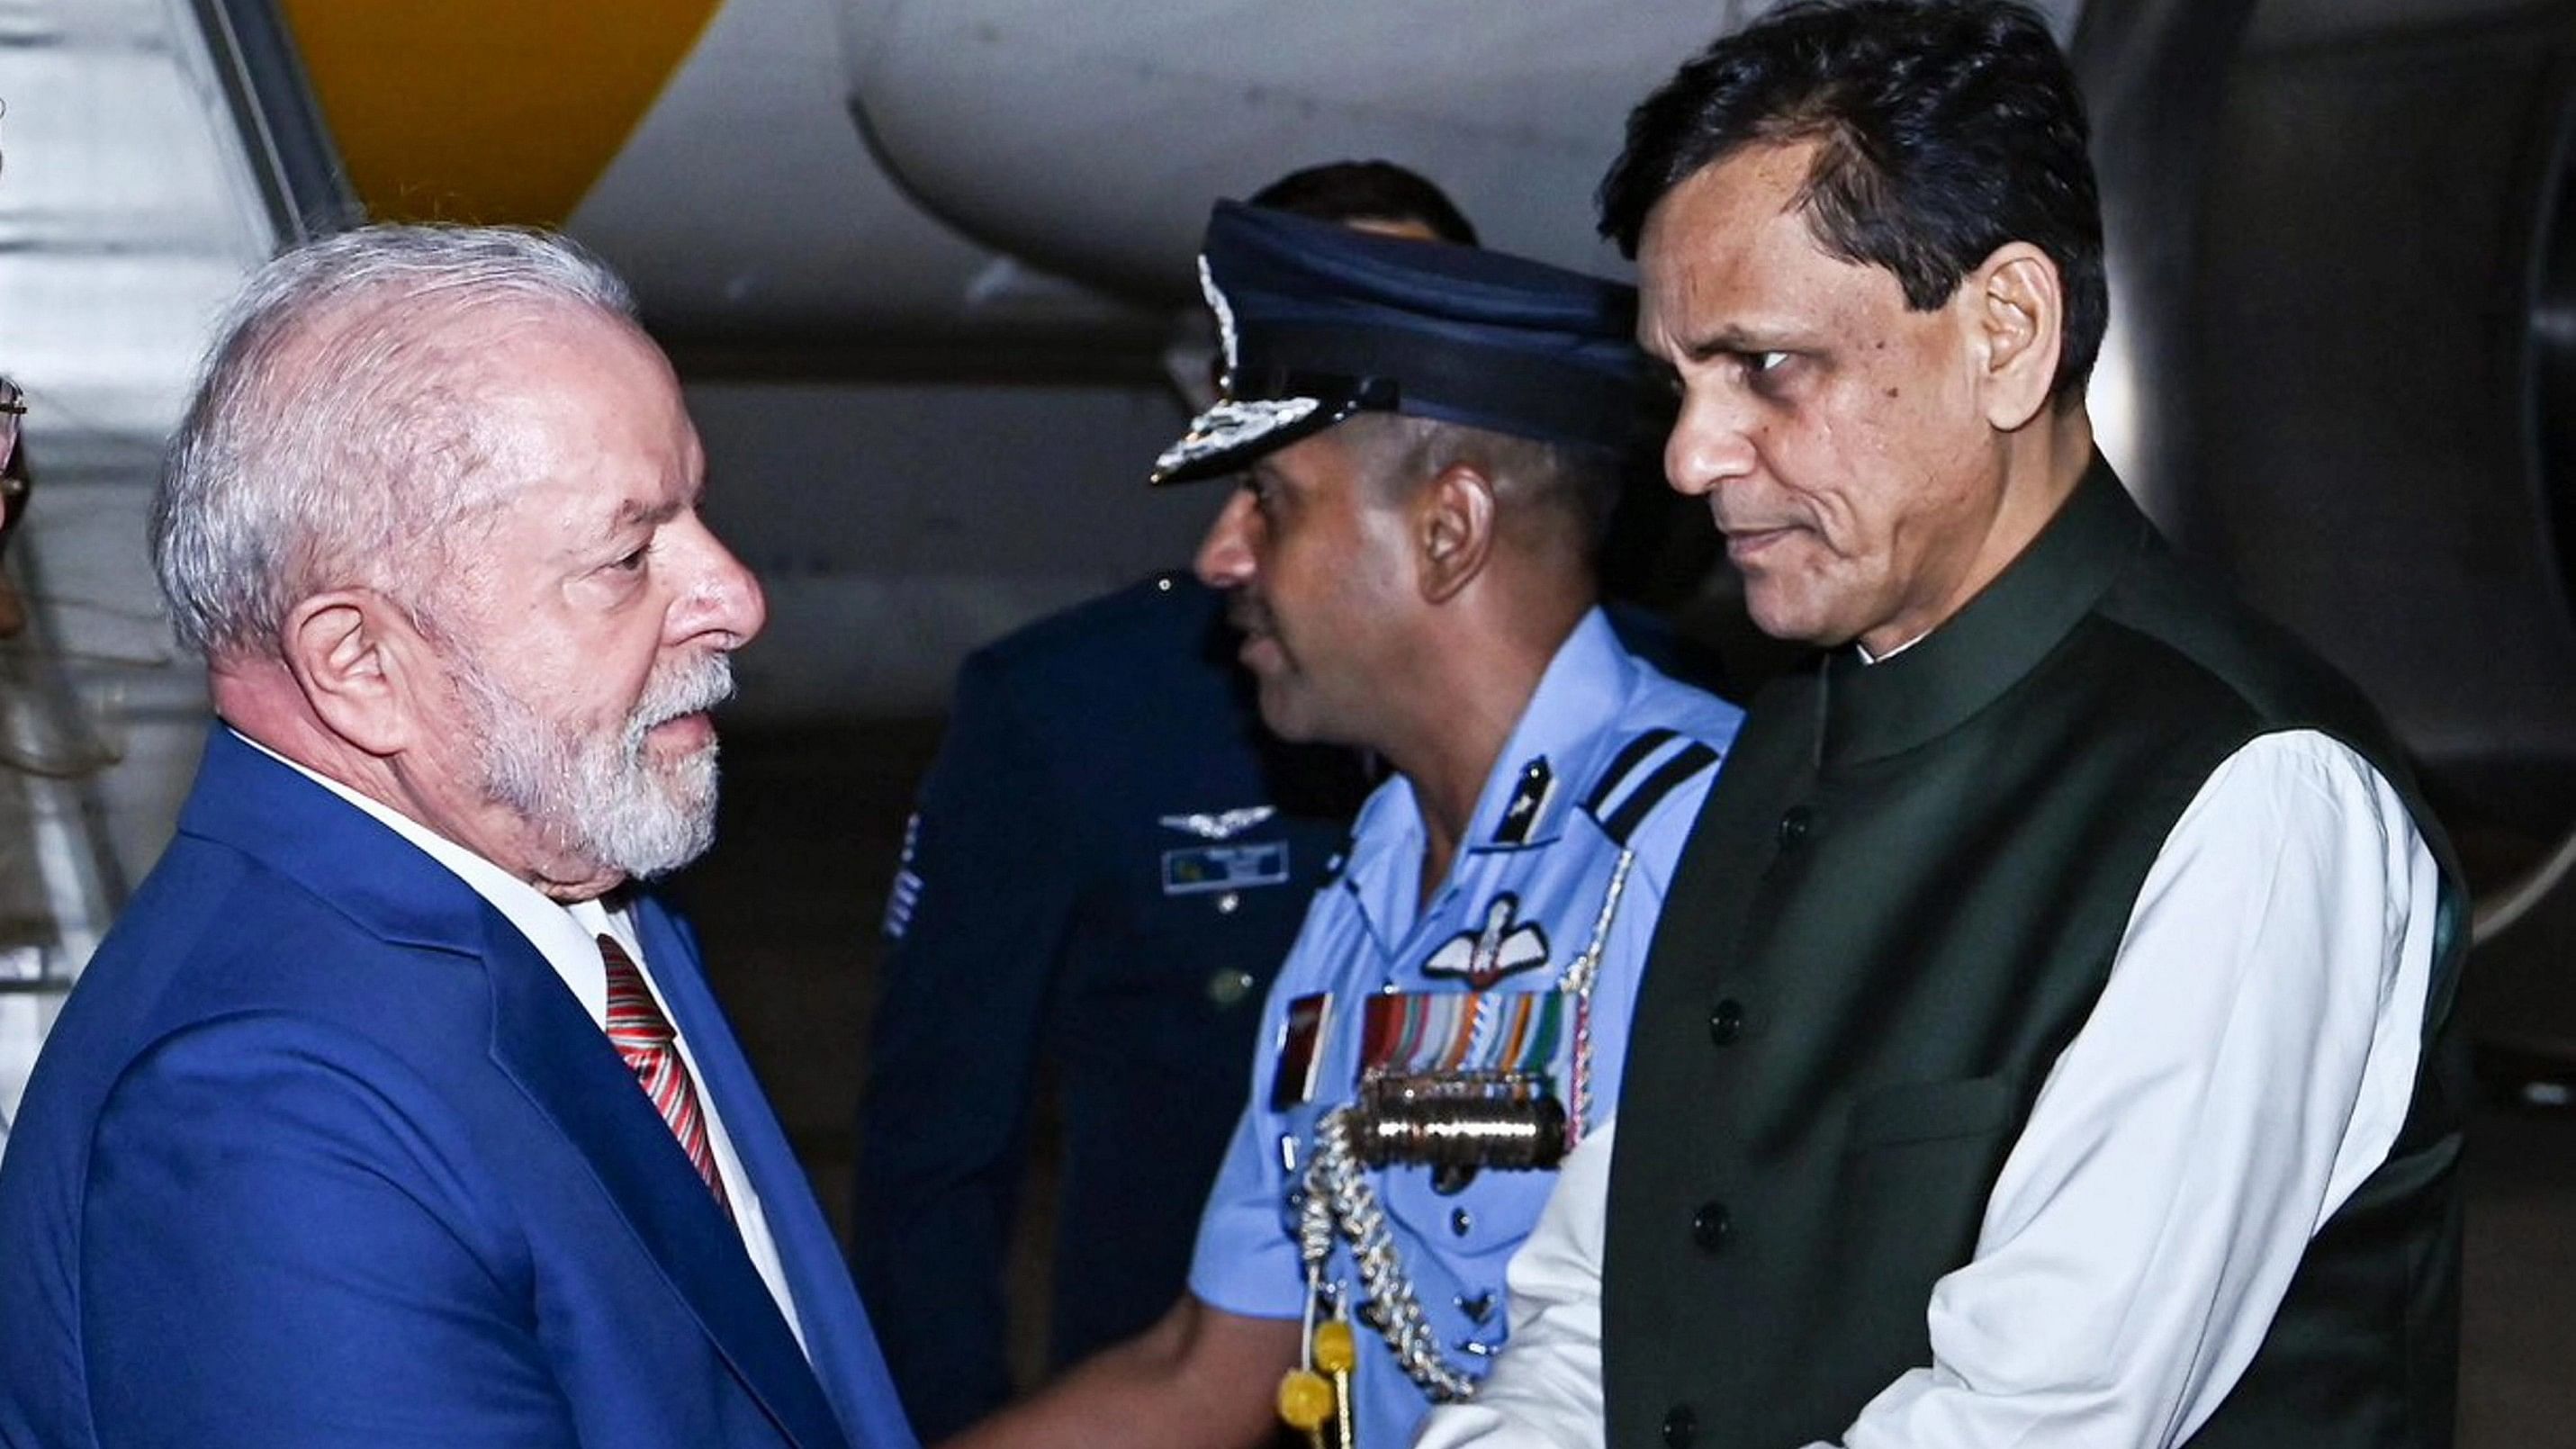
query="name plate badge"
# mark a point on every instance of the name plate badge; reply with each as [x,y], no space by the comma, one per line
[1201,868]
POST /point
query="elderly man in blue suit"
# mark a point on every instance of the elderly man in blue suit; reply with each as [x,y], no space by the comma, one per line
[391,1113]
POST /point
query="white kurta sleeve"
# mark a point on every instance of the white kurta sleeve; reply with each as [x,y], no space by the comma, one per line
[1545,1390]
[2248,1064]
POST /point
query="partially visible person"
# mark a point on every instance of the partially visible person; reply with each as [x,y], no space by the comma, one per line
[393,1111]
[1108,860]
[2051,1038]
[1430,438]
[15,486]
[13,408]
[13,507]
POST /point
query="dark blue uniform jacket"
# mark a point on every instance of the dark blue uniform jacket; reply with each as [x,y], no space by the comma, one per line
[1110,858]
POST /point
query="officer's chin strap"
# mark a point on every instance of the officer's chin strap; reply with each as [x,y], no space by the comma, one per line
[1335,1196]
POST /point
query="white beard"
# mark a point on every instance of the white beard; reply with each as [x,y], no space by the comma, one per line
[600,795]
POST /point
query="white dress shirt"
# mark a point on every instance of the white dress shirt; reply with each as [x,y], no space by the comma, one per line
[2248,1064]
[568,937]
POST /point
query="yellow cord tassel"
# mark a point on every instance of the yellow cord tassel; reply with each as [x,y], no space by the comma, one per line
[1336,1351]
[1305,1401]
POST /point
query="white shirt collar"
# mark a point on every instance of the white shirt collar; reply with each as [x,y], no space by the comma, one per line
[567,936]
[1868,658]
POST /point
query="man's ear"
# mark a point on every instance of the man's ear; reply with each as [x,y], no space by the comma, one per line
[360,664]
[2017,315]
[1454,530]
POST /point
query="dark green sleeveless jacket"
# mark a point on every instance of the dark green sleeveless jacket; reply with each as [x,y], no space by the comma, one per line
[1901,901]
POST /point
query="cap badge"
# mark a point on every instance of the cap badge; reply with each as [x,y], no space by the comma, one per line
[1227,340]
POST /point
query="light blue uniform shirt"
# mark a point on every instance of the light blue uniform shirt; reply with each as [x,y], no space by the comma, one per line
[1607,750]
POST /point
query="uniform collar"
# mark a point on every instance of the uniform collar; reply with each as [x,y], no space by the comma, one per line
[1932,686]
[1589,672]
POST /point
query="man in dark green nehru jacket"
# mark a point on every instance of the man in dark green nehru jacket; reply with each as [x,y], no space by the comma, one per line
[2048,1039]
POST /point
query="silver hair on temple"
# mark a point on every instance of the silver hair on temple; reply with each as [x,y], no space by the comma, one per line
[332,427]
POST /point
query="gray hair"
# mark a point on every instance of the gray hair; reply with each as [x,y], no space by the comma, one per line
[1576,487]
[335,429]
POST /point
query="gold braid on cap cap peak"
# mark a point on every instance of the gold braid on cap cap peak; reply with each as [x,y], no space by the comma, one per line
[1229,422]
[1229,425]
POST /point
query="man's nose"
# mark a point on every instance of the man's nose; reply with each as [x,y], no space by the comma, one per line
[1710,443]
[1224,558]
[724,598]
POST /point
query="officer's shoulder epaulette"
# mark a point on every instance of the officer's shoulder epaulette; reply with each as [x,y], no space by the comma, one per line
[1645,772]
[1338,864]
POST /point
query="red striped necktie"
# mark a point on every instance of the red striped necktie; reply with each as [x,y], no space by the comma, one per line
[643,1036]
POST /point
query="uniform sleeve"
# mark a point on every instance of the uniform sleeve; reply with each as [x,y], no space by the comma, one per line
[2248,1065]
[1545,1390]
[276,1251]
[977,927]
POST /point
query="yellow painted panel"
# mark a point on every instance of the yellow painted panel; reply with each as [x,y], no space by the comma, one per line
[487,110]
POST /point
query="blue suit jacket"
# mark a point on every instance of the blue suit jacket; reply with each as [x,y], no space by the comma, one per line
[323,1152]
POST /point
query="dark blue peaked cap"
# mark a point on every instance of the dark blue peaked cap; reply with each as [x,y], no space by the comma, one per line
[1320,321]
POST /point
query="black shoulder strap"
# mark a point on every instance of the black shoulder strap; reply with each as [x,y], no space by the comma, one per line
[1642,776]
